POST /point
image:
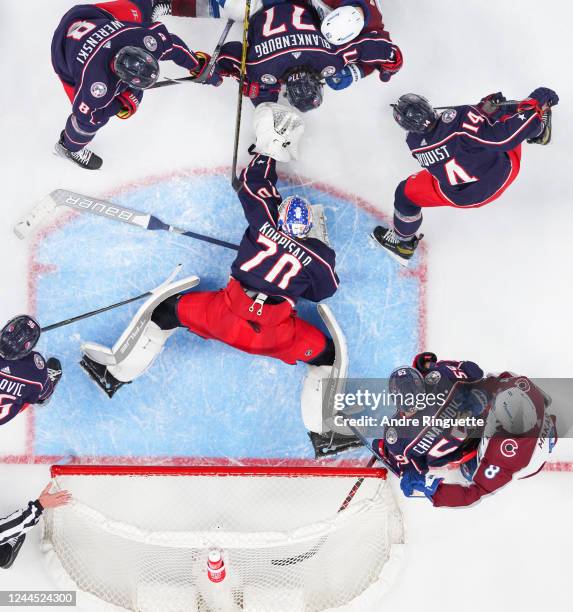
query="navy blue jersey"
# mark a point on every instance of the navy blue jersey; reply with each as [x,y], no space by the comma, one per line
[467,153]
[83,47]
[288,36]
[269,260]
[457,385]
[22,382]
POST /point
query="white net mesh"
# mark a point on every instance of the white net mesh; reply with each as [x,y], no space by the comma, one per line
[142,542]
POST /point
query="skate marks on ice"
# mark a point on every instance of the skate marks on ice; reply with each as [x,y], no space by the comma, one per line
[202,398]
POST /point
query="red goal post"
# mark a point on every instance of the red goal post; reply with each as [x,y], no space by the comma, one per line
[138,537]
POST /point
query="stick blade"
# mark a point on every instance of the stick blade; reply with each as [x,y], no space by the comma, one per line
[38,216]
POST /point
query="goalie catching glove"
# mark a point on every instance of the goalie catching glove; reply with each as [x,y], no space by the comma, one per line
[278,130]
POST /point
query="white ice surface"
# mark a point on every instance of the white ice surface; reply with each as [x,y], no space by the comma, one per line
[499,288]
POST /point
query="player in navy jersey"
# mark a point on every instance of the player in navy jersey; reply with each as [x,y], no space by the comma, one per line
[442,389]
[286,46]
[25,378]
[106,55]
[278,263]
[519,435]
[470,155]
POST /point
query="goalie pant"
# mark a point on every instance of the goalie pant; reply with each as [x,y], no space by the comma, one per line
[231,316]
[503,458]
[23,382]
[16,525]
[469,161]
[83,46]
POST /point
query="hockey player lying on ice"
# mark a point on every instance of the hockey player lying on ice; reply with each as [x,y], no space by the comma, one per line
[471,155]
[518,435]
[286,46]
[278,262]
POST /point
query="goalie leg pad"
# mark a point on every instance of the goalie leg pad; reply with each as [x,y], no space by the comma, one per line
[142,340]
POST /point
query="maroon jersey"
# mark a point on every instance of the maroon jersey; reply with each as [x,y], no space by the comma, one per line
[504,457]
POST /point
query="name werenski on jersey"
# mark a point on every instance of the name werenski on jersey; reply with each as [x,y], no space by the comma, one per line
[433,156]
[290,40]
[80,28]
[286,243]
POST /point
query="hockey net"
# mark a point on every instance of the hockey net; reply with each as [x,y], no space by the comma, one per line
[139,538]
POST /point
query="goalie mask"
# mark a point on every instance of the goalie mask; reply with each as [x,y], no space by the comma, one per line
[136,67]
[295,217]
[19,337]
[304,89]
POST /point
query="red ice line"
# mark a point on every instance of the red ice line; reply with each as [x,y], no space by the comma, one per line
[36,269]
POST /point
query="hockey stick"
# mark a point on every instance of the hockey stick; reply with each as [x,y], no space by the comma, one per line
[92,313]
[81,203]
[210,65]
[312,551]
[235,182]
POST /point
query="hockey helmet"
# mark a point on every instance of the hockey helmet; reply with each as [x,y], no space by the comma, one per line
[295,217]
[415,114]
[19,337]
[514,411]
[136,67]
[343,24]
[304,89]
[406,386]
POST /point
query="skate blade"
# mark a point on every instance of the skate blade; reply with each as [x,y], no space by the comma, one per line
[403,262]
[109,391]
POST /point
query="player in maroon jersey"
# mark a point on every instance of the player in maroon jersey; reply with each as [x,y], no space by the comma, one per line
[520,434]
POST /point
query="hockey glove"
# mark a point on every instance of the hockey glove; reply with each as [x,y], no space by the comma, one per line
[129,102]
[345,77]
[414,484]
[545,96]
[215,78]
[423,361]
[392,66]
[490,105]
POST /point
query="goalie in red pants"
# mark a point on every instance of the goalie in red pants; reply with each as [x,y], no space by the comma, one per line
[279,261]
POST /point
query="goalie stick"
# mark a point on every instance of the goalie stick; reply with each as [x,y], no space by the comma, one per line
[210,65]
[62,197]
[235,182]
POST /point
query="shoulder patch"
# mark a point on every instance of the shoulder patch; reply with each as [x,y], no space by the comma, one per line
[391,435]
[433,377]
[449,115]
[150,43]
[98,89]
[39,361]
[269,79]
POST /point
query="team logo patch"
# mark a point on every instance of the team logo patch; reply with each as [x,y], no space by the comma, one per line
[269,79]
[98,89]
[150,43]
[296,54]
[449,115]
[508,448]
[433,377]
[391,435]
[308,353]
[39,361]
[328,72]
[523,384]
